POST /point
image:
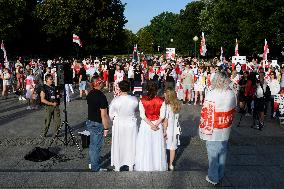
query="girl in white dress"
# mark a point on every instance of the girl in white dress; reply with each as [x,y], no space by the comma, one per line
[151,149]
[124,128]
[171,123]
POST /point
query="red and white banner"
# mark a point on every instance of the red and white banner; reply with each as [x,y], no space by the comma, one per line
[4,51]
[237,48]
[211,119]
[76,39]
[265,51]
[170,53]
[203,49]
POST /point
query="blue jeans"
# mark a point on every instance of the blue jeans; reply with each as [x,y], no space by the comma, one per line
[217,151]
[96,142]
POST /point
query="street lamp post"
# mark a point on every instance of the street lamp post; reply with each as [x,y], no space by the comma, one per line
[195,39]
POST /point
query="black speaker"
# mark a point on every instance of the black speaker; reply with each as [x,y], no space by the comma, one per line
[64,74]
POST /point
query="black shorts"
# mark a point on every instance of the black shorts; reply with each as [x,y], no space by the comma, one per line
[259,104]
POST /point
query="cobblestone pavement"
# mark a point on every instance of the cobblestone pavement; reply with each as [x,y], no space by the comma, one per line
[255,158]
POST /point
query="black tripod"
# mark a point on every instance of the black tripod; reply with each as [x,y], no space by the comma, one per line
[67,128]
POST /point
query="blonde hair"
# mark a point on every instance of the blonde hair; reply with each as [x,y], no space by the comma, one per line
[171,99]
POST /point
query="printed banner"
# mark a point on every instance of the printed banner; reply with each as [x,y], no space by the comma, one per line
[170,53]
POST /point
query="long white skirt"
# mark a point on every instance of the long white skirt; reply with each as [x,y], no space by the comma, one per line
[123,147]
[150,149]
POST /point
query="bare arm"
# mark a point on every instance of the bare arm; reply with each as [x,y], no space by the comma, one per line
[44,101]
[105,118]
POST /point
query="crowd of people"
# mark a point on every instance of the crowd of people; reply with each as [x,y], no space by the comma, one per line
[218,86]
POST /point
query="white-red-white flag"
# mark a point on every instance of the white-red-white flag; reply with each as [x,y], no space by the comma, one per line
[237,48]
[76,39]
[4,51]
[221,55]
[265,51]
[203,46]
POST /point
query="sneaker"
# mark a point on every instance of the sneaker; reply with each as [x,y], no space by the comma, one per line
[171,168]
[274,115]
[210,181]
[189,103]
[90,166]
[20,98]
[23,98]
[28,108]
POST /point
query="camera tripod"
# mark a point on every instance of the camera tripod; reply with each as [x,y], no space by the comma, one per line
[65,124]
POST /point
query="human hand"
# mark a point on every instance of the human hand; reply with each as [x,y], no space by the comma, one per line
[105,132]
[54,104]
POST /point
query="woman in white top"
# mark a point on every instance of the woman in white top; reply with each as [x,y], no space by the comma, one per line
[172,124]
[274,87]
[6,82]
[118,77]
[124,128]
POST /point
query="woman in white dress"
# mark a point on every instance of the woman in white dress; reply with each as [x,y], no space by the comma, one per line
[118,77]
[151,149]
[124,128]
[172,124]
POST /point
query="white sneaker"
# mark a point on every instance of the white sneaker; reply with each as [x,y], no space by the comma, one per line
[211,182]
[274,114]
[23,98]
[28,108]
[90,166]
[171,167]
[20,98]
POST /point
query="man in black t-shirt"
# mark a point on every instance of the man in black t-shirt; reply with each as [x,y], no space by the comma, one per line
[98,121]
[82,81]
[50,98]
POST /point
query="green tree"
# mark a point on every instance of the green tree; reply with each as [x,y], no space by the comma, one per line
[187,26]
[145,40]
[163,29]
[99,23]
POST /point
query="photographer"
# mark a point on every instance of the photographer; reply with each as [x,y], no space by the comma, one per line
[50,98]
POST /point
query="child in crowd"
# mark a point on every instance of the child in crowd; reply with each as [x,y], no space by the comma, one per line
[30,88]
[172,130]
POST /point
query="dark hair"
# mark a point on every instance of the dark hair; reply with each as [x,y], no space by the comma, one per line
[152,90]
[95,78]
[47,76]
[124,86]
[274,73]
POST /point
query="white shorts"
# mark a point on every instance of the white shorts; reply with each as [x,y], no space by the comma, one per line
[6,82]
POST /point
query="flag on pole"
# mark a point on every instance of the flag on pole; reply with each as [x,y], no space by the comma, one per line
[4,51]
[203,46]
[237,48]
[265,51]
[135,54]
[221,55]
[76,39]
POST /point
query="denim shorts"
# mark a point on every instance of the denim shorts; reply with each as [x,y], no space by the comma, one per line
[82,85]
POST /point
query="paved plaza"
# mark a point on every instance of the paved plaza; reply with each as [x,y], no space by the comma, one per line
[255,158]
